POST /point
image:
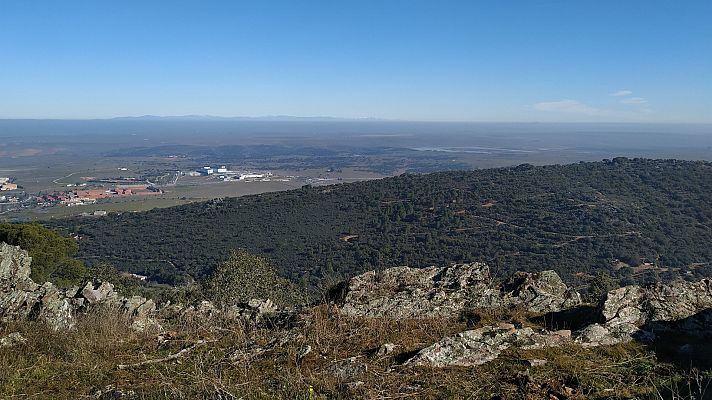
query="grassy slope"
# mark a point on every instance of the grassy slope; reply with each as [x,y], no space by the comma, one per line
[75,364]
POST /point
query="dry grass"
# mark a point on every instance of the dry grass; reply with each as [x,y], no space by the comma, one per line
[241,360]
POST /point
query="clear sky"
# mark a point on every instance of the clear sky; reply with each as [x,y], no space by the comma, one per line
[493,60]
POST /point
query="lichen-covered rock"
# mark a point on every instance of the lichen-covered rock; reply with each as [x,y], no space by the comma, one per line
[262,307]
[677,300]
[385,349]
[15,268]
[140,312]
[256,311]
[404,292]
[96,294]
[540,292]
[17,304]
[55,308]
[623,306]
[605,335]
[347,370]
[479,346]
[23,299]
[632,312]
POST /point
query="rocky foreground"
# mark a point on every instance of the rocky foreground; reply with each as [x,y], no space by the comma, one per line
[622,315]
[462,292]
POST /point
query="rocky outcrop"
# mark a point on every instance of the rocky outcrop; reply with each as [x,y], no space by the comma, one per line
[478,346]
[633,312]
[678,300]
[15,267]
[540,292]
[257,311]
[22,299]
[624,314]
[347,370]
[140,312]
[404,292]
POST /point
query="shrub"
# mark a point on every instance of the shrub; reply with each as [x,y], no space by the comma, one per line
[51,252]
[244,276]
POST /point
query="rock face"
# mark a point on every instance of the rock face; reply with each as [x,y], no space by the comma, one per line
[404,292]
[540,292]
[624,314]
[21,298]
[256,311]
[634,312]
[478,346]
[629,313]
[14,266]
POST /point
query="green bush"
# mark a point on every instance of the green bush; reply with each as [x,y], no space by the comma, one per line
[599,285]
[245,276]
[51,252]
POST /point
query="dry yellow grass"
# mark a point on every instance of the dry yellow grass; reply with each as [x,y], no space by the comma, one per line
[239,360]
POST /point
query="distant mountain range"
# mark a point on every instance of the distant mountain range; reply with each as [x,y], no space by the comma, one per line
[261,118]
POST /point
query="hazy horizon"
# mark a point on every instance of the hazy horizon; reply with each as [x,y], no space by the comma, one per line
[329,118]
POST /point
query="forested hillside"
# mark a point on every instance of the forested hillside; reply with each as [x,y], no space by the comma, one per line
[639,219]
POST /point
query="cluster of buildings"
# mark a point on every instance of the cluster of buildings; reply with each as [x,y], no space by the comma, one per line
[82,197]
[225,174]
[6,185]
[208,170]
[9,199]
[97,213]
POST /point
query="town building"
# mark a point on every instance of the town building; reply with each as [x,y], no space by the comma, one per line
[252,176]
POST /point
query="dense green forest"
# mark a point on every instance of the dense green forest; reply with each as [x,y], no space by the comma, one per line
[637,219]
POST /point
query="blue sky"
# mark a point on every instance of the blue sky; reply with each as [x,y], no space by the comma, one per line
[494,60]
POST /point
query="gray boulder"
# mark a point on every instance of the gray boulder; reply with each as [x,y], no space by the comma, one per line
[404,292]
[55,308]
[677,300]
[482,345]
[15,269]
[255,311]
[96,294]
[22,299]
[140,312]
[540,292]
[632,312]
[347,370]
